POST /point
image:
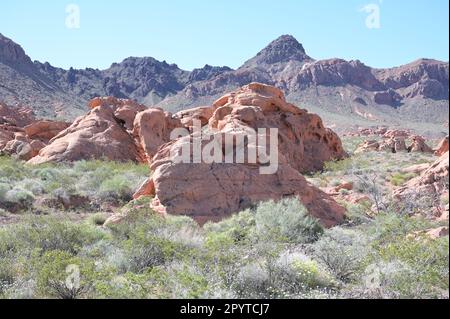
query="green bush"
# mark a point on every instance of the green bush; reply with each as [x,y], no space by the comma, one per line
[343,251]
[47,234]
[286,221]
[7,274]
[61,275]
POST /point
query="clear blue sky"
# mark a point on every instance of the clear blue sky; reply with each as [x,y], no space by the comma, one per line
[192,33]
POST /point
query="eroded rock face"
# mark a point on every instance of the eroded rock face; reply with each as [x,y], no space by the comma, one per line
[114,129]
[18,117]
[23,147]
[432,181]
[419,145]
[213,191]
[125,110]
[394,143]
[97,135]
[442,147]
[21,135]
[44,130]
[152,129]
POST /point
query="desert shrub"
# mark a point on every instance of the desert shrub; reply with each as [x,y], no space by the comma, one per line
[11,170]
[96,180]
[32,185]
[252,282]
[97,219]
[428,258]
[286,221]
[3,212]
[394,280]
[145,247]
[150,284]
[7,274]
[152,253]
[47,233]
[118,187]
[289,276]
[61,275]
[239,228]
[343,251]
[19,196]
[390,226]
[184,231]
[187,282]
[4,189]
[335,183]
[357,213]
[338,166]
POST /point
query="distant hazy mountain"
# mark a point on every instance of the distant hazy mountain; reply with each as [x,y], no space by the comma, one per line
[343,92]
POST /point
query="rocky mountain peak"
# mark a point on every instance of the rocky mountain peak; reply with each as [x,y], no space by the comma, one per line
[11,52]
[283,49]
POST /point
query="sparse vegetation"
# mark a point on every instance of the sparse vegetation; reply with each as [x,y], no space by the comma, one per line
[273,250]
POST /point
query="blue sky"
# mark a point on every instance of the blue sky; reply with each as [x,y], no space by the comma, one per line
[192,33]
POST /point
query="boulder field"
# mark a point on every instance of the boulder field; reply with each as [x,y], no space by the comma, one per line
[123,130]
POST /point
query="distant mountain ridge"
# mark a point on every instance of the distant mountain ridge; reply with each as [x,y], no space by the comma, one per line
[336,89]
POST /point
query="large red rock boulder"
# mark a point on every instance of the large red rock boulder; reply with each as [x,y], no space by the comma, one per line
[419,145]
[202,114]
[152,129]
[210,191]
[125,110]
[22,147]
[21,135]
[114,129]
[98,135]
[44,130]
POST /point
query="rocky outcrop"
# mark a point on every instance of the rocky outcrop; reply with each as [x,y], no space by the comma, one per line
[419,145]
[114,129]
[21,135]
[442,148]
[396,133]
[44,130]
[18,117]
[432,182]
[22,147]
[394,142]
[210,191]
[101,134]
[152,129]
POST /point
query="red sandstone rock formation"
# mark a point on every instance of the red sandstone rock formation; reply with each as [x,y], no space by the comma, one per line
[212,191]
[21,135]
[442,147]
[419,145]
[99,134]
[152,129]
[432,181]
[394,144]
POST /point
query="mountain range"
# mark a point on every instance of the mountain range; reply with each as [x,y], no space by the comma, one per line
[343,92]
